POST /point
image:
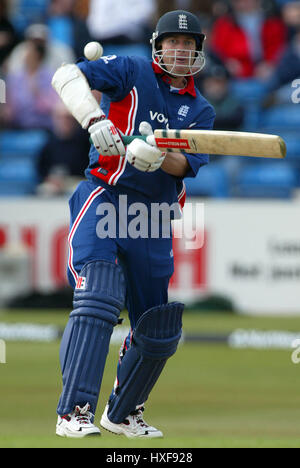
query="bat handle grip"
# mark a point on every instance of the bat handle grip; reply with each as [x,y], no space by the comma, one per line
[128,139]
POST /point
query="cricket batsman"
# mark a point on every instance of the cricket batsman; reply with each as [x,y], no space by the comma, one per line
[117,271]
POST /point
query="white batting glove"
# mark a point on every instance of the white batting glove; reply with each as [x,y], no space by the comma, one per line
[144,156]
[106,138]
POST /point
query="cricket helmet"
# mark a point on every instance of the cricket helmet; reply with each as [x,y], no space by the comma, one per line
[179,22]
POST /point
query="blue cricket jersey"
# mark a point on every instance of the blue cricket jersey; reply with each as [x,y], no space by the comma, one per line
[135,90]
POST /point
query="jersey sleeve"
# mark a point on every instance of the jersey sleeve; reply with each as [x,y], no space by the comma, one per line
[112,75]
[205,122]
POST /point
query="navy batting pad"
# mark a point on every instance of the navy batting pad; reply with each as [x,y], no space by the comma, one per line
[85,343]
[155,339]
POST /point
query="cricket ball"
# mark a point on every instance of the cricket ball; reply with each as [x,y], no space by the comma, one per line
[93,51]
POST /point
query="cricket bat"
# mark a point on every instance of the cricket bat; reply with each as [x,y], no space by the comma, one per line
[257,145]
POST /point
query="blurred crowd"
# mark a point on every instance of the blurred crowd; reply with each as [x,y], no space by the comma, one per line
[253,57]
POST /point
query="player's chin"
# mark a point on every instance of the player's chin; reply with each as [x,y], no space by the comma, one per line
[180,70]
[177,69]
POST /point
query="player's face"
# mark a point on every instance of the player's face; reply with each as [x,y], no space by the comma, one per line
[178,53]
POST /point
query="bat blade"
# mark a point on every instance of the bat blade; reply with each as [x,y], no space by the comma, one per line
[258,145]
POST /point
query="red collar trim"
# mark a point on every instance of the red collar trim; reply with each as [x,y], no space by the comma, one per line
[190,86]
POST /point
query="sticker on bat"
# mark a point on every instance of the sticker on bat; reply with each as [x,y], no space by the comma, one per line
[179,143]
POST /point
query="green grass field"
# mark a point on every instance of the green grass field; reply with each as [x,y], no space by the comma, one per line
[210,395]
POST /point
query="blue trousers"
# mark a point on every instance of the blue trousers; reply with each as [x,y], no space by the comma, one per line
[147,262]
[98,233]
